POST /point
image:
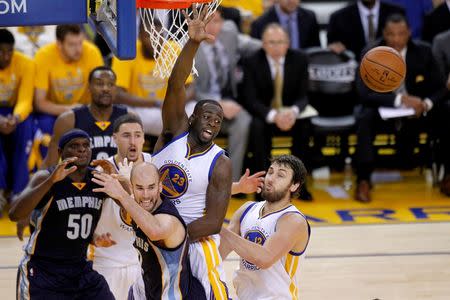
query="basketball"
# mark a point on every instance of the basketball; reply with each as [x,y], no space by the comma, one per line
[382,69]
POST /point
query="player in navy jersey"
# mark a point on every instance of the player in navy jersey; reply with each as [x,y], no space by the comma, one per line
[161,237]
[64,213]
[96,118]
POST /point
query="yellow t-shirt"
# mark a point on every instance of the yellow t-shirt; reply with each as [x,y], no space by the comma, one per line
[16,85]
[66,83]
[136,76]
[254,6]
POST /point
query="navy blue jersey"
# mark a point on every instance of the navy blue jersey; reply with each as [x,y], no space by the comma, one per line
[167,271]
[102,143]
[64,221]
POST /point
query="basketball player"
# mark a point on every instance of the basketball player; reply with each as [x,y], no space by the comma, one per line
[195,173]
[96,118]
[64,212]
[119,264]
[270,236]
[161,237]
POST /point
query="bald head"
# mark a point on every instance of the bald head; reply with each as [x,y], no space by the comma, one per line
[144,171]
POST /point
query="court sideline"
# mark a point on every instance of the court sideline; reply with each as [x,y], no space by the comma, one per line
[381,261]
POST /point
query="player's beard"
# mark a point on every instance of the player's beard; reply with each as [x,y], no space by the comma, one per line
[274,196]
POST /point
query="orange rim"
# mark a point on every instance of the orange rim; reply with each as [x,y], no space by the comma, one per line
[167,4]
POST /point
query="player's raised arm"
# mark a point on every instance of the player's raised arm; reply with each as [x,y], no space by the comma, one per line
[175,120]
[217,198]
[39,185]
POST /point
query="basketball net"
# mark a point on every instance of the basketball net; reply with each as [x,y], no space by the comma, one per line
[168,38]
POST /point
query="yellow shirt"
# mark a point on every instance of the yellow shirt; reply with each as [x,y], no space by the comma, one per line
[254,6]
[16,85]
[136,76]
[66,83]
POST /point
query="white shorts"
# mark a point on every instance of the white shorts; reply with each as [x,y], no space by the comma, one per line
[206,265]
[119,279]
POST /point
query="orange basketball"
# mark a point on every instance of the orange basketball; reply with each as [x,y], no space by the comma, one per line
[382,69]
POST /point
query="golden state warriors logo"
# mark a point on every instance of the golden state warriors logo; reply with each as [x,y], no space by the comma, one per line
[125,217]
[174,181]
[257,237]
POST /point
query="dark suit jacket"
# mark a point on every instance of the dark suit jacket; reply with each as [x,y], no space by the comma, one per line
[423,77]
[258,86]
[307,26]
[437,21]
[345,26]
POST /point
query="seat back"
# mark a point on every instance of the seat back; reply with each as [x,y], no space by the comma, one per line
[331,81]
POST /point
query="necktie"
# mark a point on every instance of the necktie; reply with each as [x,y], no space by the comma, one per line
[218,66]
[277,101]
[371,29]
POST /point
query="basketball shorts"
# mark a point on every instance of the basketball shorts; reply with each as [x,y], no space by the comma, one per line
[40,279]
[206,265]
[119,279]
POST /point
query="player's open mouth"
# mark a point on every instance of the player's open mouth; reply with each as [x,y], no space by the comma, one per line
[207,133]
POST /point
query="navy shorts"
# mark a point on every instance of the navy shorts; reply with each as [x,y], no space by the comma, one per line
[40,279]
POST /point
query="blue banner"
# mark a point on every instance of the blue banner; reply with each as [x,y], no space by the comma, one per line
[42,12]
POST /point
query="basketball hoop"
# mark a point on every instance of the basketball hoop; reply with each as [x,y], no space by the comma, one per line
[168,38]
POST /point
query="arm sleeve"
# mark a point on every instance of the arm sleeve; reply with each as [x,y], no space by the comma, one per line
[42,64]
[24,104]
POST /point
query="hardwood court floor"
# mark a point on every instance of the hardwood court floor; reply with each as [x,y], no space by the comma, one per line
[396,247]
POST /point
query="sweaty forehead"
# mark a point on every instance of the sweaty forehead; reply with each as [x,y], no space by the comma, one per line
[211,108]
[281,167]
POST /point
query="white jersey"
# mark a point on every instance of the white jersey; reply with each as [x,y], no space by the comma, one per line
[185,177]
[116,221]
[281,280]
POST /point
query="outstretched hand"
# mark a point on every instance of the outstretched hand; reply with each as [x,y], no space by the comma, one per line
[61,172]
[125,170]
[251,184]
[106,166]
[197,24]
[109,185]
[103,240]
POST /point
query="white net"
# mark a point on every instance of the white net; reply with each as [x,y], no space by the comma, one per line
[167,29]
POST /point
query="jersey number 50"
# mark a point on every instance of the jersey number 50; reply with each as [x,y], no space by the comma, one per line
[79,226]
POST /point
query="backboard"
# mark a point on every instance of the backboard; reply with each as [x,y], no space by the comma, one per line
[115,20]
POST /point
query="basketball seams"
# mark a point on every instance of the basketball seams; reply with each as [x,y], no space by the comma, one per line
[373,78]
[386,67]
[373,85]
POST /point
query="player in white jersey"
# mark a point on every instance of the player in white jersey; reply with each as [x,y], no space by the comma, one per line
[119,262]
[270,236]
[195,173]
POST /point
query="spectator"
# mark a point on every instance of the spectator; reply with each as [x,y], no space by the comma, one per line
[30,39]
[16,98]
[275,86]
[300,23]
[441,50]
[358,24]
[437,21]
[422,90]
[415,13]
[216,65]
[62,70]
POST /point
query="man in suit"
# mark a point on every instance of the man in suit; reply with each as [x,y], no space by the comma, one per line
[216,63]
[441,51]
[422,90]
[437,21]
[300,23]
[358,24]
[274,87]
